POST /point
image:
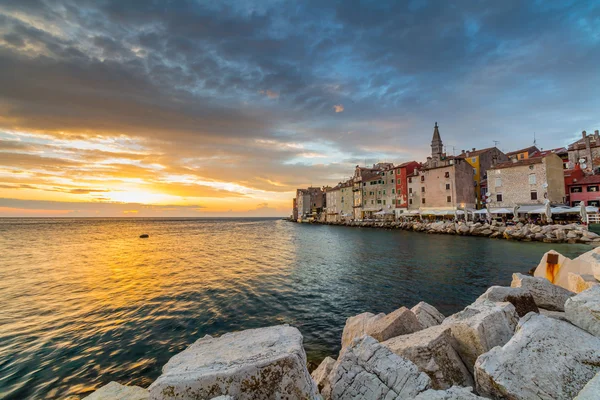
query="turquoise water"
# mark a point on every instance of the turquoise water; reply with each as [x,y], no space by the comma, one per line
[85,301]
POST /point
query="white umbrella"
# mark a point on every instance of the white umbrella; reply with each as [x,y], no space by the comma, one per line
[583,213]
[489,214]
[516,213]
[548,212]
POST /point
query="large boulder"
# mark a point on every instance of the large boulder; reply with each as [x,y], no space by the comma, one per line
[380,326]
[432,350]
[427,314]
[545,294]
[555,267]
[321,374]
[545,359]
[592,257]
[480,327]
[368,370]
[454,393]
[583,310]
[591,391]
[518,297]
[559,315]
[251,364]
[116,391]
[578,283]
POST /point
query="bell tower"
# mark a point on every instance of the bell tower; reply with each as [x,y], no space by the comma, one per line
[437,147]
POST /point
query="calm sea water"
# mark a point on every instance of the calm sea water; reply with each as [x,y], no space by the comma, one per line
[85,301]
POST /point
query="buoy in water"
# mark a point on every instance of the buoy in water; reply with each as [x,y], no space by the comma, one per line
[144,236]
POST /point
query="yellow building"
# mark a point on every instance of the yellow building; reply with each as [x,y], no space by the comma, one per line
[522,154]
[481,161]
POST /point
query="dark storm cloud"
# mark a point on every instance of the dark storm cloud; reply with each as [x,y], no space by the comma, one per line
[217,80]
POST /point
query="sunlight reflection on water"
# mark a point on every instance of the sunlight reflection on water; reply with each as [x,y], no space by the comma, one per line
[86,301]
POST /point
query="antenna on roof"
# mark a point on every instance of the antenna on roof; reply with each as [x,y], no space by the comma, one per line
[495,143]
[453,150]
[534,141]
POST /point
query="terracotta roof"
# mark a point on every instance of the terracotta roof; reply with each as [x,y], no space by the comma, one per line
[520,163]
[542,153]
[406,164]
[580,144]
[529,149]
[587,180]
[476,152]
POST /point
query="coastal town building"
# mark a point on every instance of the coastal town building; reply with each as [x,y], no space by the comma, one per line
[522,154]
[401,173]
[379,193]
[445,182]
[585,152]
[309,201]
[359,183]
[332,204]
[528,181]
[586,189]
[481,160]
[295,208]
[346,200]
[414,191]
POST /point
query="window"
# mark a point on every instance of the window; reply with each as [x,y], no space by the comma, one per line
[532,179]
[521,156]
[409,190]
[474,159]
[378,201]
[423,200]
[594,203]
[409,201]
[498,182]
[593,188]
[392,181]
[499,197]
[422,189]
[365,184]
[448,199]
[379,192]
[576,189]
[533,195]
[422,178]
[393,191]
[384,202]
[447,174]
[365,202]
[384,191]
[474,171]
[371,201]
[409,180]
[447,186]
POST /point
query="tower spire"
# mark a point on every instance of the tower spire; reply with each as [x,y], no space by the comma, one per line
[437,147]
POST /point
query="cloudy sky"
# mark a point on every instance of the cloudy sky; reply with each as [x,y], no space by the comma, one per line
[194,108]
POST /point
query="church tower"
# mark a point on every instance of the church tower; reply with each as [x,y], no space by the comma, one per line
[437,147]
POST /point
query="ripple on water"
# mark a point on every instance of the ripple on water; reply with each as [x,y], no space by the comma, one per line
[85,301]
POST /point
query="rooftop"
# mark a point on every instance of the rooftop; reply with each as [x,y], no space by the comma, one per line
[519,163]
[474,153]
[587,180]
[529,150]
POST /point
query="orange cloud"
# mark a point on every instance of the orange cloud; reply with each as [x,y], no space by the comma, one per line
[338,108]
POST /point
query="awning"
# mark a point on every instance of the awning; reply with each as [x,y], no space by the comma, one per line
[555,210]
[576,210]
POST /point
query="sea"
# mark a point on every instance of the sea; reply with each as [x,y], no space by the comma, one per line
[87,301]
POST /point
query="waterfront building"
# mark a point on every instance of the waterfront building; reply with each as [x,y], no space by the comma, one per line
[309,201]
[585,189]
[481,160]
[586,152]
[379,193]
[414,191]
[346,201]
[295,208]
[359,183]
[333,206]
[445,182]
[401,174]
[522,154]
[527,182]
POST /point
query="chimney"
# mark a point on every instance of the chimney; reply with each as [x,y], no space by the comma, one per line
[596,137]
[473,149]
[468,152]
[583,135]
[462,151]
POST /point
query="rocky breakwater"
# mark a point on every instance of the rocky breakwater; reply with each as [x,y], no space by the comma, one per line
[532,340]
[572,233]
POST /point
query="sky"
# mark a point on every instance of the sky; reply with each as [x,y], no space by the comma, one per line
[198,108]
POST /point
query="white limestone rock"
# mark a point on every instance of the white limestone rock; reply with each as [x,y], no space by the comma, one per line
[427,314]
[480,327]
[558,272]
[578,283]
[368,370]
[592,257]
[380,326]
[454,393]
[591,391]
[545,359]
[545,294]
[321,374]
[432,351]
[518,297]
[559,315]
[583,310]
[251,364]
[116,391]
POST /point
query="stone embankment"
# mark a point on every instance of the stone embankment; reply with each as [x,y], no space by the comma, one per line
[537,339]
[572,233]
